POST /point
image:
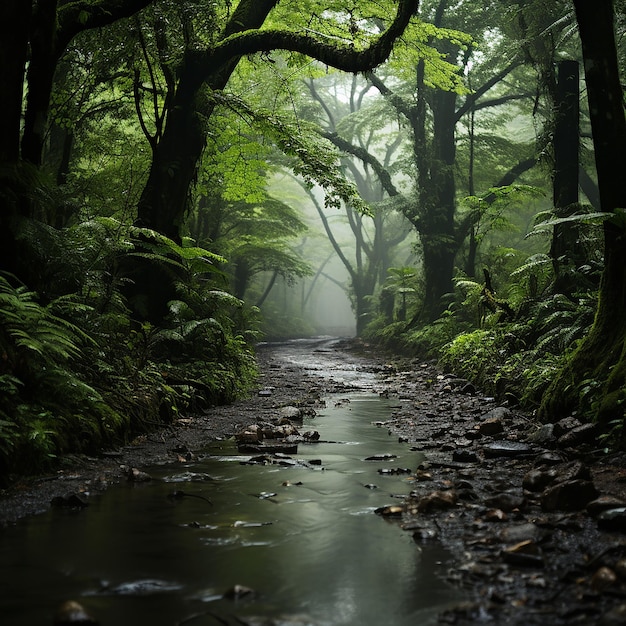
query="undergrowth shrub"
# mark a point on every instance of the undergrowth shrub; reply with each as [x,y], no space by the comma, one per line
[77,373]
[45,406]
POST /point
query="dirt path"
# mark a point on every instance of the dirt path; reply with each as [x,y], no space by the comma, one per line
[534,517]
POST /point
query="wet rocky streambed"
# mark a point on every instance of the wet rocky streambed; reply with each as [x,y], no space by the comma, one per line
[354,491]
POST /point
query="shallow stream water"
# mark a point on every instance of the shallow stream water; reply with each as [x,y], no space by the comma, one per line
[303,536]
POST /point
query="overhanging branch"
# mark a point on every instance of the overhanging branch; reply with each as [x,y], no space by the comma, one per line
[341,57]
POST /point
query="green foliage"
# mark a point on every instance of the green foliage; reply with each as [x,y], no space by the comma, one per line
[497,361]
[417,46]
[519,359]
[207,344]
[310,156]
[45,406]
[77,374]
[402,282]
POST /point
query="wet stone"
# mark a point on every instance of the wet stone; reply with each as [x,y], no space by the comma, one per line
[571,495]
[491,426]
[239,591]
[525,553]
[585,433]
[422,475]
[603,578]
[565,425]
[604,503]
[69,501]
[495,515]
[468,389]
[499,412]
[613,519]
[538,479]
[465,456]
[505,501]
[548,458]
[393,510]
[506,449]
[138,476]
[542,435]
[436,501]
[574,470]
[424,534]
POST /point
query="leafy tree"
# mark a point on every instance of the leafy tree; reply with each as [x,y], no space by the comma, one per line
[203,71]
[45,29]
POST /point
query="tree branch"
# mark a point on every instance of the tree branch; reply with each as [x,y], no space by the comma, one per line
[589,188]
[341,57]
[316,96]
[472,98]
[498,101]
[75,17]
[511,176]
[383,175]
[396,101]
[331,237]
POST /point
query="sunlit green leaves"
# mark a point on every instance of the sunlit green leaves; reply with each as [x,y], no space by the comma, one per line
[417,46]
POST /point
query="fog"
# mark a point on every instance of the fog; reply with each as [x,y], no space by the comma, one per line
[331,313]
[348,253]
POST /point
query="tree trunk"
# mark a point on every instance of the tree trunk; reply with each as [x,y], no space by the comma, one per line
[53,28]
[362,306]
[565,249]
[43,61]
[164,200]
[601,356]
[267,290]
[438,205]
[14,26]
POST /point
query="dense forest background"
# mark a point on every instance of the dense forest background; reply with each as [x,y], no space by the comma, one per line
[180,179]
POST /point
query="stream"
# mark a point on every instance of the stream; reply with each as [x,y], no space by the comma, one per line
[300,532]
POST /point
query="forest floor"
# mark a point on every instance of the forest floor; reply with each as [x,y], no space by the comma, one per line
[534,517]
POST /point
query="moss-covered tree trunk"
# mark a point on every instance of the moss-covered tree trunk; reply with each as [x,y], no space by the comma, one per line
[600,360]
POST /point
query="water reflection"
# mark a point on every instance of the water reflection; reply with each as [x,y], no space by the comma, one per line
[314,550]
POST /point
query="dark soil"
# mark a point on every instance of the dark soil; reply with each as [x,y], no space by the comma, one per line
[534,518]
